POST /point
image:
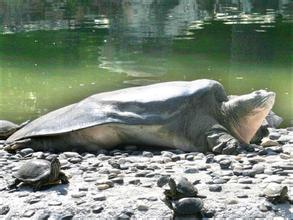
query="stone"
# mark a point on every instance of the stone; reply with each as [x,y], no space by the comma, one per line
[99,197]
[142,173]
[258,168]
[210,158]
[28,213]
[71,154]
[26,151]
[267,142]
[118,180]
[274,135]
[264,207]
[175,158]
[54,203]
[245,181]
[147,154]
[103,186]
[189,157]
[4,209]
[241,196]
[78,195]
[191,170]
[142,207]
[97,209]
[134,181]
[167,154]
[215,188]
[250,173]
[285,156]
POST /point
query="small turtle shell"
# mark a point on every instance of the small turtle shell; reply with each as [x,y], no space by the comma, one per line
[33,170]
[186,188]
[7,128]
[274,190]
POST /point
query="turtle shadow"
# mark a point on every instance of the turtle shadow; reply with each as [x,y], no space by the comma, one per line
[61,189]
[284,210]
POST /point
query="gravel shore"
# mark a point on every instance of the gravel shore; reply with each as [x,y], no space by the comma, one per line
[129,183]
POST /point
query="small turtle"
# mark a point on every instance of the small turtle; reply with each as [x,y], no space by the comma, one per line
[276,193]
[182,189]
[7,128]
[39,172]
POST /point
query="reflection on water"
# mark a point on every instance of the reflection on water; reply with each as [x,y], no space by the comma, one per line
[53,53]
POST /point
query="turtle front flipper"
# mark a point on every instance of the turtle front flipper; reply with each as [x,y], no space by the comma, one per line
[221,142]
[17,145]
[63,178]
[14,185]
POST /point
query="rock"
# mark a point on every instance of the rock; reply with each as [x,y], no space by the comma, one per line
[274,135]
[191,170]
[28,213]
[242,195]
[189,157]
[250,173]
[245,181]
[118,180]
[147,154]
[215,188]
[26,151]
[75,160]
[258,168]
[264,207]
[134,181]
[285,156]
[142,173]
[188,206]
[54,203]
[103,186]
[78,195]
[142,207]
[210,158]
[225,164]
[175,158]
[71,154]
[97,209]
[99,197]
[4,209]
[266,142]
[167,154]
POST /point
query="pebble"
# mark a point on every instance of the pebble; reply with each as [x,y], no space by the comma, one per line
[167,154]
[245,181]
[97,209]
[99,197]
[266,142]
[134,182]
[215,188]
[242,196]
[103,186]
[258,168]
[28,213]
[55,203]
[147,154]
[142,207]
[71,154]
[191,170]
[4,209]
[142,174]
[26,151]
[78,195]
[285,156]
[118,180]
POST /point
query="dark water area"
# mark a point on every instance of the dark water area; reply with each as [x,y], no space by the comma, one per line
[53,53]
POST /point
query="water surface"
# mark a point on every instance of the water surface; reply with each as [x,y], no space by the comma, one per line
[54,53]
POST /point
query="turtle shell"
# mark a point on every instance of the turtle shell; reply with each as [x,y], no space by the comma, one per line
[275,190]
[188,206]
[7,128]
[186,188]
[33,170]
[129,106]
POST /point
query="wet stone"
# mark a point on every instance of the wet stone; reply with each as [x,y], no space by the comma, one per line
[191,170]
[26,151]
[78,195]
[97,209]
[142,207]
[99,197]
[55,203]
[28,213]
[245,181]
[4,209]
[215,188]
[147,154]
[103,186]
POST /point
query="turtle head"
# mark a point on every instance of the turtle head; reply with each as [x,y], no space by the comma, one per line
[245,113]
[55,167]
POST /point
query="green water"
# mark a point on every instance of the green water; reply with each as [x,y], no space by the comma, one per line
[53,53]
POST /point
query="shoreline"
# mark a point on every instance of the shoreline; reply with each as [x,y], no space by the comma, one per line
[123,184]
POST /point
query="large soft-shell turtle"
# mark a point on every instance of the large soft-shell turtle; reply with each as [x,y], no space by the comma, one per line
[39,172]
[191,116]
[7,128]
